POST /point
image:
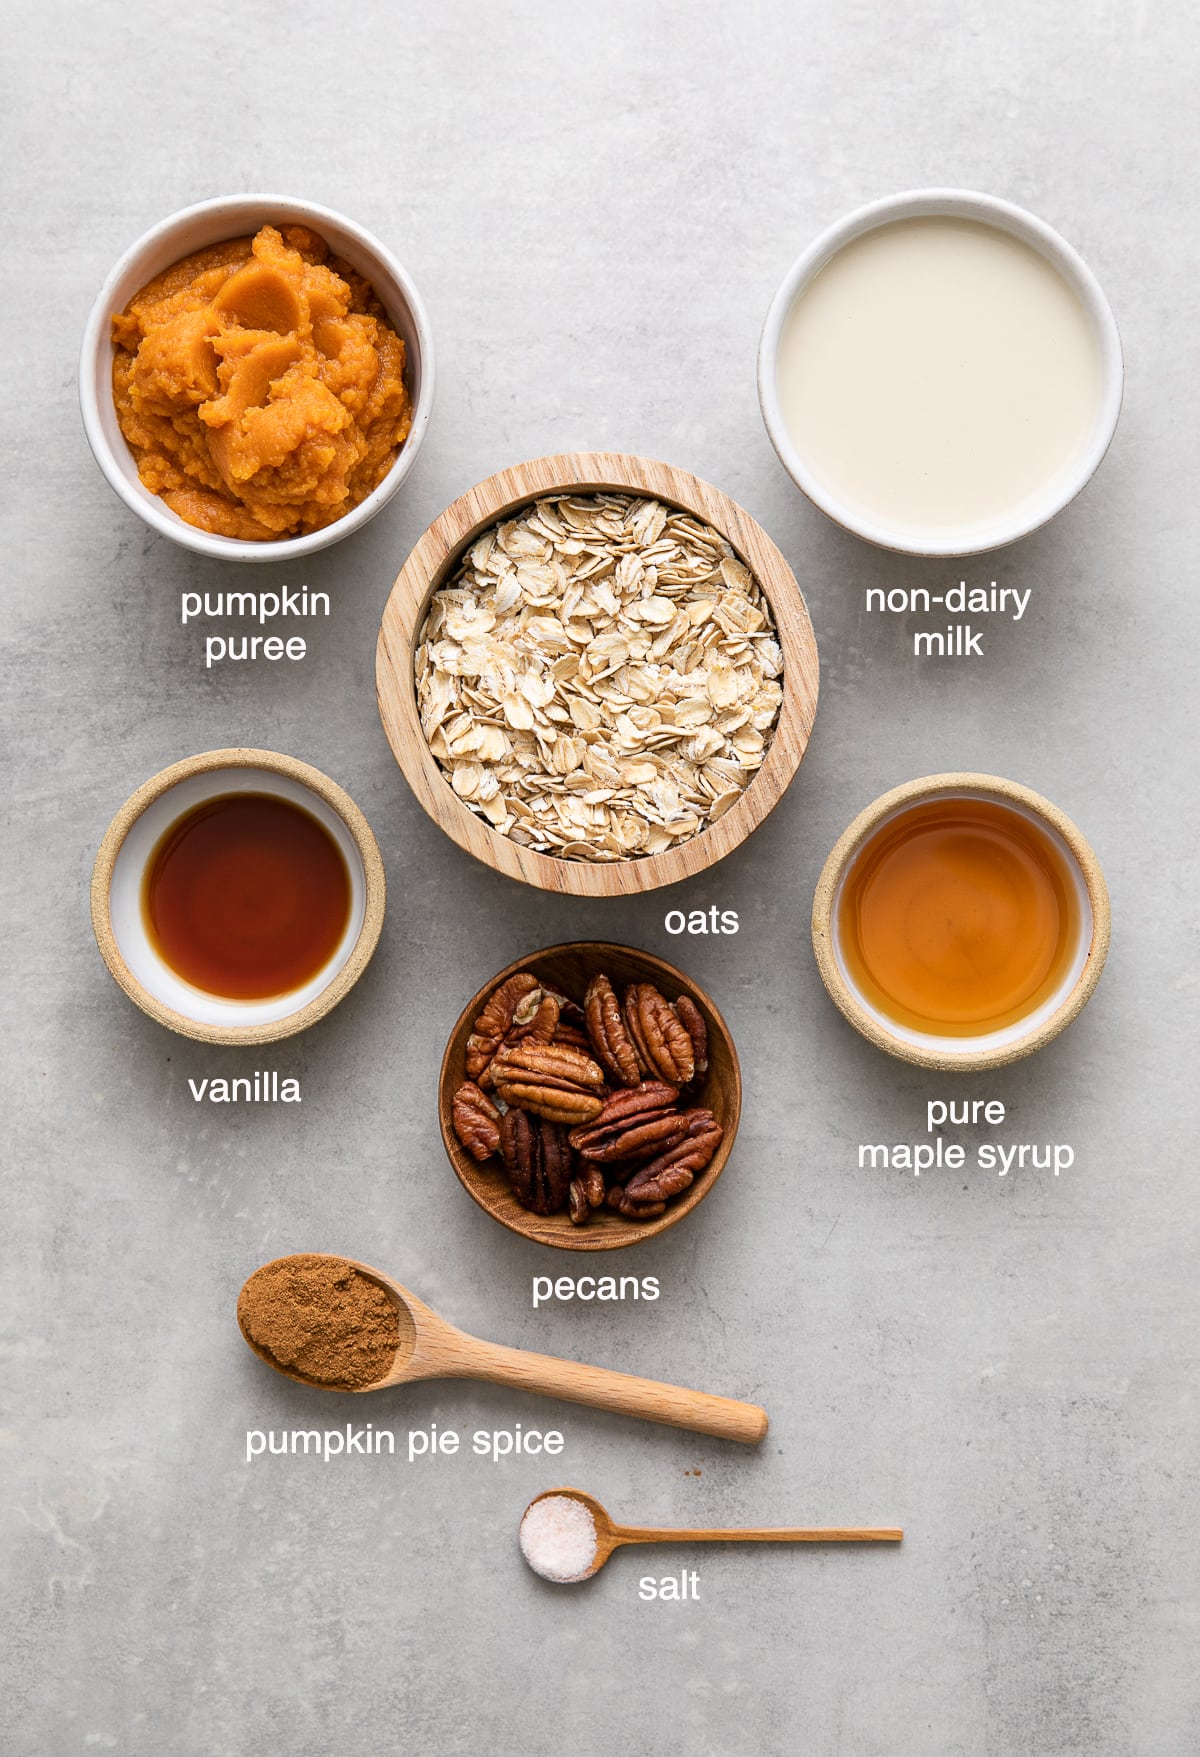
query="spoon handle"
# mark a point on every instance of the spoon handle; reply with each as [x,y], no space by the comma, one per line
[601,1389]
[757,1534]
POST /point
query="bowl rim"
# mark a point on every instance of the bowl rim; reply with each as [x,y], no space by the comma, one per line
[96,338]
[1005,216]
[848,845]
[374,887]
[432,560]
[470,1172]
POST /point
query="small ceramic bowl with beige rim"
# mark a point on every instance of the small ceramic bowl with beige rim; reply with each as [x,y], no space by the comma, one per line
[961,922]
[217,222]
[940,372]
[163,808]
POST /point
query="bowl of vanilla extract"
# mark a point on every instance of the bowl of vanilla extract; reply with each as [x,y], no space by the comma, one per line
[238,896]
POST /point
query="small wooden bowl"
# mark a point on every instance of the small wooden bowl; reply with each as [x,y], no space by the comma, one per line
[965,1054]
[434,560]
[569,968]
[121,864]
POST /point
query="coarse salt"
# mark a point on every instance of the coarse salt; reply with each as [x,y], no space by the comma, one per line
[558,1538]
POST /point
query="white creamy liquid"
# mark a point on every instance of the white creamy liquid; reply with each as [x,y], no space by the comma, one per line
[938,375]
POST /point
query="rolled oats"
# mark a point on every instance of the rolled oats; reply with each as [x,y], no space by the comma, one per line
[601,678]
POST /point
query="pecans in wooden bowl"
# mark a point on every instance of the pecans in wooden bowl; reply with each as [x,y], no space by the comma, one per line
[589,1096]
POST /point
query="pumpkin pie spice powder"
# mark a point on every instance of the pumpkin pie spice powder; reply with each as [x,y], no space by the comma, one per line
[321,1319]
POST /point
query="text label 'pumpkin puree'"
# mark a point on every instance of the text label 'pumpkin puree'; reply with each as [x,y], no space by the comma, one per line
[260,386]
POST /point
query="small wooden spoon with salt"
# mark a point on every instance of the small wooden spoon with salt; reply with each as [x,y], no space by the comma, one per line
[563,1540]
[431,1348]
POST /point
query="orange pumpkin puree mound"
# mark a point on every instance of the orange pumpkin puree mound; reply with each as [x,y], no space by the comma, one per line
[260,386]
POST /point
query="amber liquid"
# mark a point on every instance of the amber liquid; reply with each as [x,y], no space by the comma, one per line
[958,917]
[246,897]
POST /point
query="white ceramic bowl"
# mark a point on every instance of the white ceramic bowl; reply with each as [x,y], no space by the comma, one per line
[985,210]
[194,228]
[120,869]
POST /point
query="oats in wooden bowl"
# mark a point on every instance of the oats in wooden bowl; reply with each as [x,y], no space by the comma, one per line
[599,671]
[600,678]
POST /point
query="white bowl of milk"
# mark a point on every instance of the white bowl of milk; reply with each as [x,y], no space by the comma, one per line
[940,372]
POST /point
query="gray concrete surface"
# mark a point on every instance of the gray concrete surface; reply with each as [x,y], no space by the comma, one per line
[598,203]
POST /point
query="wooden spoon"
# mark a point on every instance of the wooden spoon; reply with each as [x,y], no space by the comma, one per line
[610,1536]
[430,1348]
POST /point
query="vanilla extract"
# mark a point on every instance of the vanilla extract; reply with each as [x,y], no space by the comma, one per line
[247,896]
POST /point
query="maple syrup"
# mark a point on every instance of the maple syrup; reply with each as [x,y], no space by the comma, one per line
[958,917]
[247,896]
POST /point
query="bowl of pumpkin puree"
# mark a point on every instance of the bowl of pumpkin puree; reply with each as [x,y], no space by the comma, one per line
[256,377]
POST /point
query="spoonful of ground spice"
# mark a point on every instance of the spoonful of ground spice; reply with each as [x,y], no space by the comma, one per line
[338,1323]
[321,1320]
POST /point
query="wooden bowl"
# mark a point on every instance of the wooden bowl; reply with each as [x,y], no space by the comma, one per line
[434,560]
[1024,1036]
[128,846]
[569,968]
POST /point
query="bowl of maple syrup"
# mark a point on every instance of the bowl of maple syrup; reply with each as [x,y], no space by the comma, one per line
[238,896]
[962,921]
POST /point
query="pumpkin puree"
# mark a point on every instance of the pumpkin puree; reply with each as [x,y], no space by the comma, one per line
[260,386]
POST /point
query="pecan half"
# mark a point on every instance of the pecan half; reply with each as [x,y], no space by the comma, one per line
[552,1079]
[663,1045]
[476,1120]
[673,1170]
[635,1123]
[692,1020]
[592,1179]
[495,1021]
[573,1036]
[537,1158]
[607,1030]
[535,1019]
[578,1206]
[633,1210]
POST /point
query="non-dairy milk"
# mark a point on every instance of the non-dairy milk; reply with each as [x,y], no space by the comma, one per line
[937,375]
